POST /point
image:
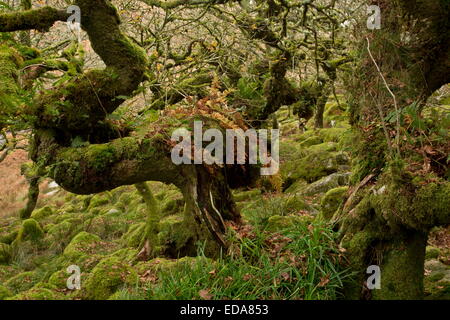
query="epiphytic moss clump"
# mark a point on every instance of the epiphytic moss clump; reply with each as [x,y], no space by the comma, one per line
[419,206]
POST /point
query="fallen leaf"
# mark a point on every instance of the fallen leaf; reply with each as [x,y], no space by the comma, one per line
[204,294]
[247,277]
[324,281]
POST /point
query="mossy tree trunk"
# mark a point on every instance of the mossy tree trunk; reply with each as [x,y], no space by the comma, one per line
[391,207]
[110,155]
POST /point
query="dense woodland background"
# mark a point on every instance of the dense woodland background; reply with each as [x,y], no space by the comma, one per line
[87,179]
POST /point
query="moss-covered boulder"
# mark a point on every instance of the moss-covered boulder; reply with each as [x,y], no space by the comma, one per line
[107,277]
[331,202]
[98,200]
[162,264]
[5,253]
[42,213]
[30,230]
[5,292]
[317,162]
[432,253]
[22,281]
[42,291]
[277,223]
[82,244]
[9,237]
[58,279]
[437,280]
[333,134]
[332,181]
[127,255]
[323,147]
[311,141]
[58,229]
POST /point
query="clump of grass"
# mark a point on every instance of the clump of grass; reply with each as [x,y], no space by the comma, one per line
[301,262]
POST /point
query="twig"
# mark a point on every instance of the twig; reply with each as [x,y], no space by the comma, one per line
[397,138]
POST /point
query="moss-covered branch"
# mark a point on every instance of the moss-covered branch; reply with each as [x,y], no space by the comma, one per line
[39,19]
[82,103]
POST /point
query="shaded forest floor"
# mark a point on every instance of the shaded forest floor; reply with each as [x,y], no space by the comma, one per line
[285,250]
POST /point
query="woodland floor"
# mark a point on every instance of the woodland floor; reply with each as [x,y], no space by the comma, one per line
[284,252]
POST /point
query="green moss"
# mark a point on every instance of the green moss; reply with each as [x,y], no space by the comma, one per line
[278,223]
[331,202]
[98,200]
[41,213]
[162,264]
[334,112]
[437,282]
[315,165]
[58,279]
[5,292]
[246,195]
[9,237]
[10,61]
[30,230]
[432,253]
[125,198]
[402,269]
[41,291]
[81,244]
[311,141]
[296,187]
[5,253]
[107,277]
[126,255]
[172,232]
[134,235]
[295,204]
[323,147]
[62,230]
[172,206]
[425,207]
[41,19]
[22,281]
[101,156]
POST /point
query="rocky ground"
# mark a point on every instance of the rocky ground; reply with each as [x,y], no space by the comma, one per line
[102,233]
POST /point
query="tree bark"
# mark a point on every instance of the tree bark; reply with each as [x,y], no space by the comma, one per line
[390,209]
